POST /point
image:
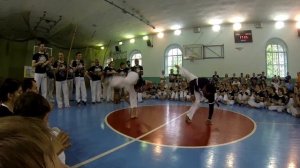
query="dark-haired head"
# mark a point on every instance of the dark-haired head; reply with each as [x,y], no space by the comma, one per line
[31,104]
[29,84]
[10,89]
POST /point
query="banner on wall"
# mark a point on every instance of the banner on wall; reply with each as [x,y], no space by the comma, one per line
[28,72]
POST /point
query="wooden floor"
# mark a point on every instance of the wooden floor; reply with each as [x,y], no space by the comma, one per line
[103,135]
[165,125]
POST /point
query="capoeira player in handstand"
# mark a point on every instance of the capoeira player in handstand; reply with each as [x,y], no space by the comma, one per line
[128,83]
[199,87]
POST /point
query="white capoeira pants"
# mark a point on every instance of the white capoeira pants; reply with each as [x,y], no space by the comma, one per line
[195,105]
[96,90]
[70,87]
[107,89]
[50,89]
[128,83]
[41,82]
[62,91]
[80,89]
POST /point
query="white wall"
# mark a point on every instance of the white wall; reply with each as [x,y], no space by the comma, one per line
[250,59]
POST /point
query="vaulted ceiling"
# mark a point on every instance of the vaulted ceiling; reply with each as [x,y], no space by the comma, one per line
[107,21]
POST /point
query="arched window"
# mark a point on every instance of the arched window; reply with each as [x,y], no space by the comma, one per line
[276,58]
[135,54]
[173,56]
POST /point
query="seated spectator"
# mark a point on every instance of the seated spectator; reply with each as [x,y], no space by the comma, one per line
[243,95]
[10,90]
[236,82]
[257,98]
[287,78]
[215,78]
[29,85]
[34,105]
[289,86]
[26,143]
[293,106]
[298,79]
[279,101]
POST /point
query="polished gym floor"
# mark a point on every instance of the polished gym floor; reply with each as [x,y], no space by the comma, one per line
[104,135]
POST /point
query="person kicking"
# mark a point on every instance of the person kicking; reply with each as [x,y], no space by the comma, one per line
[199,87]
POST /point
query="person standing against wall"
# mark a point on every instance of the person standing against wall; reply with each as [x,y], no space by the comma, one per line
[79,70]
[39,62]
[50,80]
[61,84]
[109,72]
[95,73]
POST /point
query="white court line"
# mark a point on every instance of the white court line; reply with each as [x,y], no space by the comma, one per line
[125,144]
[142,136]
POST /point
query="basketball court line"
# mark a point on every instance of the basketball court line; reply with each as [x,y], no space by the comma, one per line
[155,129]
[125,144]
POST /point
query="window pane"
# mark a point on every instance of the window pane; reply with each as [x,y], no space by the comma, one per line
[280,48]
[274,48]
[136,56]
[269,48]
[179,52]
[276,59]
[173,57]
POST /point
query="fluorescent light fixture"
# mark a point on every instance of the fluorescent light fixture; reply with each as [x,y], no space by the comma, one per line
[237,26]
[120,43]
[215,21]
[99,44]
[145,37]
[177,32]
[237,19]
[129,36]
[132,41]
[216,28]
[157,30]
[282,17]
[160,35]
[298,25]
[175,27]
[279,25]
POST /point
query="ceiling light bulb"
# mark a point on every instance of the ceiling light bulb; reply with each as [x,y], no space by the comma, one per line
[279,25]
[216,28]
[177,32]
[120,43]
[102,48]
[160,35]
[145,38]
[132,41]
[237,26]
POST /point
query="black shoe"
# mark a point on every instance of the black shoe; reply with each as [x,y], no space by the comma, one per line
[78,103]
[83,102]
[93,103]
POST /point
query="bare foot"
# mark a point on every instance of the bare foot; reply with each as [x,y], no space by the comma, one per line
[188,120]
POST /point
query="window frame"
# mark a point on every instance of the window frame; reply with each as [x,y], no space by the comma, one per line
[166,56]
[276,55]
[131,59]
